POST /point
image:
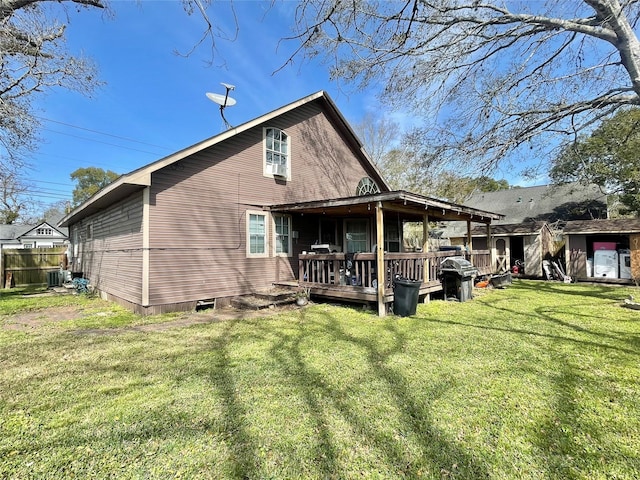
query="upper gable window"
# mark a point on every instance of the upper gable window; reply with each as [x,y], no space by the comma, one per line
[44,231]
[277,162]
[367,187]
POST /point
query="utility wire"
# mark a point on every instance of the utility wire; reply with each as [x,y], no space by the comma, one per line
[102,133]
[50,183]
[100,141]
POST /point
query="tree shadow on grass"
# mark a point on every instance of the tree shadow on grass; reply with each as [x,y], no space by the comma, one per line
[438,454]
[245,462]
[603,292]
[570,439]
[630,343]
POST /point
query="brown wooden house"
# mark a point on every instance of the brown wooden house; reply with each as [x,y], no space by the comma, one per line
[233,215]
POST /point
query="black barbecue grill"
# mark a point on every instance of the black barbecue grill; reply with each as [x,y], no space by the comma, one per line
[459,265]
[457,278]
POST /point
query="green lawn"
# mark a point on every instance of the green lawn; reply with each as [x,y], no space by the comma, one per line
[536,381]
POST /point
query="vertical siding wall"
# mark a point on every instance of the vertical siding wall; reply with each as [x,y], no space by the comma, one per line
[198,208]
[112,258]
[576,256]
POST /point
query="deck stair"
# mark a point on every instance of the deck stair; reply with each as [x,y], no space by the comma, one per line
[269,298]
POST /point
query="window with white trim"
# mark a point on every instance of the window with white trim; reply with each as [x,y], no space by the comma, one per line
[276,153]
[257,234]
[282,235]
[44,231]
[367,186]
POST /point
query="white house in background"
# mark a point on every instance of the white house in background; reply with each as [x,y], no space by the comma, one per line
[32,236]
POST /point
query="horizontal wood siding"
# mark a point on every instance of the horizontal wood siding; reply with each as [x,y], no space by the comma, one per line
[198,208]
[112,258]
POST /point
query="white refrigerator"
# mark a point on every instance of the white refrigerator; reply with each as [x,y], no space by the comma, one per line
[605,263]
[625,264]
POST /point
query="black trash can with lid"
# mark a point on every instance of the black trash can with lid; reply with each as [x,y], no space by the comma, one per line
[405,296]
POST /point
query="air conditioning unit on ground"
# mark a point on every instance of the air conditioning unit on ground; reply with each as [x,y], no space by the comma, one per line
[277,170]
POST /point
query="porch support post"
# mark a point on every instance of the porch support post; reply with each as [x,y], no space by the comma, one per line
[469,237]
[425,246]
[380,270]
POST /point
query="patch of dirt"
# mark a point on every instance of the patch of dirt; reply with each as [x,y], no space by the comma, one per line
[30,321]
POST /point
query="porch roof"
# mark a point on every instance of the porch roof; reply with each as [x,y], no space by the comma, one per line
[411,205]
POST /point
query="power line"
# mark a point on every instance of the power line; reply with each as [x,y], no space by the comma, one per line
[75,161]
[103,133]
[48,196]
[100,141]
[50,183]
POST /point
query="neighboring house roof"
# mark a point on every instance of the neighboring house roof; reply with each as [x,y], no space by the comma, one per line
[140,178]
[618,225]
[32,231]
[11,234]
[527,209]
[545,203]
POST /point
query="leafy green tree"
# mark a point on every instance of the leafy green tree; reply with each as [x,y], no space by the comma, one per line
[89,180]
[608,158]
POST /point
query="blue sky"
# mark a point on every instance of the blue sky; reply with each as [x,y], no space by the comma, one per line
[153,102]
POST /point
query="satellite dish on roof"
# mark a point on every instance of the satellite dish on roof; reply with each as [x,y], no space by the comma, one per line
[223,100]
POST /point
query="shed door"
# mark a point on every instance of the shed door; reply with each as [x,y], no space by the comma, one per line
[502,254]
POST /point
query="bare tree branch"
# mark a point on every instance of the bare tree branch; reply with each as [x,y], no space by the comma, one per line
[487,77]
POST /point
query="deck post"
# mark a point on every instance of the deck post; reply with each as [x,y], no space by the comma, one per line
[380,270]
[425,244]
[425,248]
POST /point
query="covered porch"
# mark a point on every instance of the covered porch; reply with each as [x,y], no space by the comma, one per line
[363,244]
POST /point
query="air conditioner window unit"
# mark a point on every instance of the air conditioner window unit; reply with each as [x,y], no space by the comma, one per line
[277,170]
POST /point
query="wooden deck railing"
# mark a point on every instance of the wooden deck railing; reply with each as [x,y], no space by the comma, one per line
[359,269]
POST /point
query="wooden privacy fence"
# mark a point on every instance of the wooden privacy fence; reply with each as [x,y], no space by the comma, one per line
[30,266]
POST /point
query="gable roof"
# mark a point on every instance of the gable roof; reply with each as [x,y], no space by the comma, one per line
[136,180]
[31,231]
[546,203]
[12,233]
